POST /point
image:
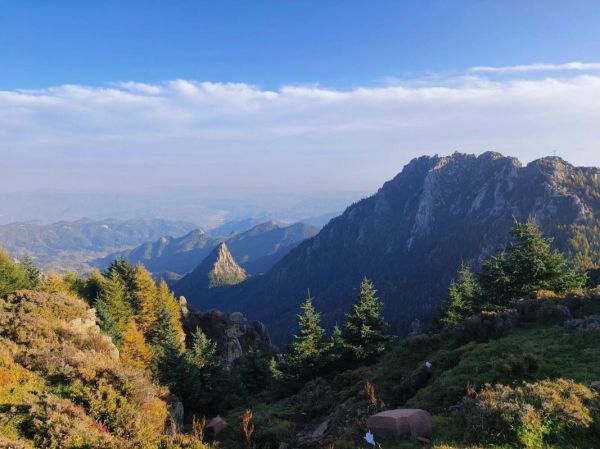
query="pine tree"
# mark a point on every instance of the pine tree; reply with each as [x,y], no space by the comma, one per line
[364,334]
[166,347]
[12,275]
[527,264]
[134,350]
[113,300]
[146,299]
[308,352]
[33,273]
[203,352]
[106,321]
[167,297]
[123,269]
[462,295]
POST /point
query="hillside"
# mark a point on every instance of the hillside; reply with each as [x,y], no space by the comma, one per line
[256,250]
[69,245]
[63,385]
[411,236]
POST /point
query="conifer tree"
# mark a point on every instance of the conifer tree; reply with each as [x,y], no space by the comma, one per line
[308,352]
[106,321]
[12,275]
[146,299]
[166,347]
[203,352]
[527,264]
[33,273]
[364,334]
[123,269]
[167,297]
[134,350]
[462,295]
[113,300]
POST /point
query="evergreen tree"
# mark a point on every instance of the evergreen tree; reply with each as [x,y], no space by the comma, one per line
[167,297]
[134,350]
[166,347]
[308,352]
[106,321]
[527,264]
[203,352]
[113,300]
[462,294]
[123,270]
[12,275]
[146,299]
[364,334]
[33,273]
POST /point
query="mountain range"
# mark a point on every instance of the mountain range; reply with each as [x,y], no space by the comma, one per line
[256,250]
[412,235]
[69,245]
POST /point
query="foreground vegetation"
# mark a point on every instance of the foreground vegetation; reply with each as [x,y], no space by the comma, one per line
[509,363]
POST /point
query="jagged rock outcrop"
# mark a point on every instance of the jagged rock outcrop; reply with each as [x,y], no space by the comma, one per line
[218,269]
[412,235]
[231,331]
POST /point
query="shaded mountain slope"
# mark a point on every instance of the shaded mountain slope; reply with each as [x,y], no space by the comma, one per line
[411,236]
[256,249]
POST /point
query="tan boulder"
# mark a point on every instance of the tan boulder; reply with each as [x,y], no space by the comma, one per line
[401,422]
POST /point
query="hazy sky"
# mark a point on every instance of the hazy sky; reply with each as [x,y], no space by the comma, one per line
[287,95]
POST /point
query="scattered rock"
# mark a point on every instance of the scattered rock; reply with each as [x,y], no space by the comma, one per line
[321,429]
[589,323]
[487,325]
[401,422]
[216,425]
[595,385]
[176,413]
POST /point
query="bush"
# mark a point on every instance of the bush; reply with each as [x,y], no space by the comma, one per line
[529,415]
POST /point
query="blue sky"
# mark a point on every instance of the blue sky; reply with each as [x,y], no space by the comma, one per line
[293,96]
[338,44]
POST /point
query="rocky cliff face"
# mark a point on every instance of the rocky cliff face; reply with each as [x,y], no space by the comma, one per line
[411,236]
[231,331]
[218,269]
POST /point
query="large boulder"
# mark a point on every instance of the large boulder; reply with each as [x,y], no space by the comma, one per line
[215,426]
[401,422]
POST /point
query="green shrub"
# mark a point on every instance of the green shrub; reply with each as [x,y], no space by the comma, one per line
[529,415]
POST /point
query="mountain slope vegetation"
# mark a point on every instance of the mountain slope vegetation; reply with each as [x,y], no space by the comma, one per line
[413,234]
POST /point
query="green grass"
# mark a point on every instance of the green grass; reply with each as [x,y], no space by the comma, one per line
[527,354]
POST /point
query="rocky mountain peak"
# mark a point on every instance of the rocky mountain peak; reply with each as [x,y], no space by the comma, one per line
[224,270]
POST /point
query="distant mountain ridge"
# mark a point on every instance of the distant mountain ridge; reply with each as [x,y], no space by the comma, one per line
[70,244]
[256,250]
[411,236]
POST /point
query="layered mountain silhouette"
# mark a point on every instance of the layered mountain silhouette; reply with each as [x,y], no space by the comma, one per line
[218,269]
[256,250]
[70,245]
[412,235]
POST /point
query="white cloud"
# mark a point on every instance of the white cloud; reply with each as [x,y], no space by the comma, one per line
[569,66]
[133,135]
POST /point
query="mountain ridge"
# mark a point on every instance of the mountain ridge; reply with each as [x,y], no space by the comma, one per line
[413,233]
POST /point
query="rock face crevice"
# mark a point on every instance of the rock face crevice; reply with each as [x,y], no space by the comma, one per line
[413,234]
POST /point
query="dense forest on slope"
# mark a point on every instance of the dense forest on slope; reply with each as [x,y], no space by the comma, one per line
[413,234]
